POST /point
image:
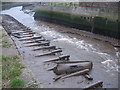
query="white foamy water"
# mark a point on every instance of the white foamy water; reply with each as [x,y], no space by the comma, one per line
[58,37]
[108,61]
[110,65]
[51,34]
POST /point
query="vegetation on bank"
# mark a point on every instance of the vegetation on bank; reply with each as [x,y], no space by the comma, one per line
[60,15]
[11,67]
[102,9]
[4,44]
[69,4]
[8,5]
[98,25]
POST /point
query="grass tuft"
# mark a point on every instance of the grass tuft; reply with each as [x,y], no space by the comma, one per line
[11,68]
[2,35]
[16,83]
[3,42]
[6,45]
[11,74]
[4,58]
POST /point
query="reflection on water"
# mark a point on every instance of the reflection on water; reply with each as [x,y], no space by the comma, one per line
[51,34]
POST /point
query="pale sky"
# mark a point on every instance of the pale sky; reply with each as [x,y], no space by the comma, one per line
[59,0]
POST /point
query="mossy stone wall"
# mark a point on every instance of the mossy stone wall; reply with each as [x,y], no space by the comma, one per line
[98,25]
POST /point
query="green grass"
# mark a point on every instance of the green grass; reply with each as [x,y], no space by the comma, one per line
[16,83]
[3,42]
[4,58]
[2,35]
[6,45]
[11,74]
[62,4]
[11,69]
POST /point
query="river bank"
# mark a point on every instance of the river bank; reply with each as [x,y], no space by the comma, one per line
[8,5]
[14,72]
[94,20]
[96,24]
[79,48]
[80,32]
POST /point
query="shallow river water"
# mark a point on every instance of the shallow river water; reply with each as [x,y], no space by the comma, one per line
[104,56]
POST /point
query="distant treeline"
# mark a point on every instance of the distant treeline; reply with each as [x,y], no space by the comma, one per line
[113,5]
[97,25]
[100,4]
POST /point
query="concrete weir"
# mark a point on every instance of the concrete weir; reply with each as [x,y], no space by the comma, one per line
[39,65]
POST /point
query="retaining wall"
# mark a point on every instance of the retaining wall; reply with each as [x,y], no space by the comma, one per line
[97,25]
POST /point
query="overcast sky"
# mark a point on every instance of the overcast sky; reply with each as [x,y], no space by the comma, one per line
[58,0]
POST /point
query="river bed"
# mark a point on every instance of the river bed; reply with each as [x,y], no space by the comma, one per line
[104,56]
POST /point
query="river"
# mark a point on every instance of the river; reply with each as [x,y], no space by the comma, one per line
[103,55]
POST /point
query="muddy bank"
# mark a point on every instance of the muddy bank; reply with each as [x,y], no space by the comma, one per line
[45,77]
[77,32]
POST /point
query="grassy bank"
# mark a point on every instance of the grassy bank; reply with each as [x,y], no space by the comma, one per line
[13,72]
[11,64]
[98,25]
